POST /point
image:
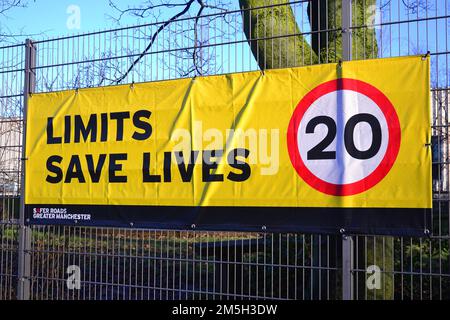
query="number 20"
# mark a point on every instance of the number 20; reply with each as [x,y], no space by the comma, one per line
[318,153]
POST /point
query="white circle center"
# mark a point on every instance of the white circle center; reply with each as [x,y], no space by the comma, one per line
[342,105]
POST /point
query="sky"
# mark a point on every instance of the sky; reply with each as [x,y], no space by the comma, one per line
[53,18]
[50,17]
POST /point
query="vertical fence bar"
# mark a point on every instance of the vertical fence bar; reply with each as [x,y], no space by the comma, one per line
[346,30]
[24,261]
[347,267]
[347,241]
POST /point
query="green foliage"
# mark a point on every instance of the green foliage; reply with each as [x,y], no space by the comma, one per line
[419,265]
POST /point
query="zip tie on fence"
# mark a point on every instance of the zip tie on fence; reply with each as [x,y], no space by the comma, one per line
[427,55]
[263,72]
[132,85]
[340,63]
[343,233]
[427,233]
[76,90]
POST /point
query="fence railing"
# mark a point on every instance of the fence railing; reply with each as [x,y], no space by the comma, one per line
[186,264]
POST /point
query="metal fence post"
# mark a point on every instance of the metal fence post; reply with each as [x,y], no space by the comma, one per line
[347,241]
[346,30]
[24,261]
[347,267]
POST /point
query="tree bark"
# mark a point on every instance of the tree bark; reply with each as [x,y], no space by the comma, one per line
[281,45]
[325,17]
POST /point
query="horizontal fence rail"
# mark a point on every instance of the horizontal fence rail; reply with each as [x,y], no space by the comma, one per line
[185,264]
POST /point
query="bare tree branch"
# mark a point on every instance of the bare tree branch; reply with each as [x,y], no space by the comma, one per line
[6,5]
[6,35]
[412,6]
[143,10]
[194,54]
[155,35]
[190,32]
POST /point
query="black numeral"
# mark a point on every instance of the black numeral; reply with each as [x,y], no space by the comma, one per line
[376,136]
[318,153]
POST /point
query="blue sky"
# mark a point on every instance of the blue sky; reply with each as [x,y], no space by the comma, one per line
[50,16]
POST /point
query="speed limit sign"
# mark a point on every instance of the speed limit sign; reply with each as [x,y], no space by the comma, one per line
[344,137]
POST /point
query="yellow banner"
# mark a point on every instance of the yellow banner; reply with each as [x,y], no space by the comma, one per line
[354,135]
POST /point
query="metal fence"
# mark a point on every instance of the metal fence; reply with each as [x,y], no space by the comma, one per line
[186,264]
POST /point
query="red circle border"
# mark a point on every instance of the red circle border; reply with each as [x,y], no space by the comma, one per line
[391,152]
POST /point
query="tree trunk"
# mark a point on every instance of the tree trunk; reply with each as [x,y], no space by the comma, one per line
[325,17]
[281,46]
[280,50]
